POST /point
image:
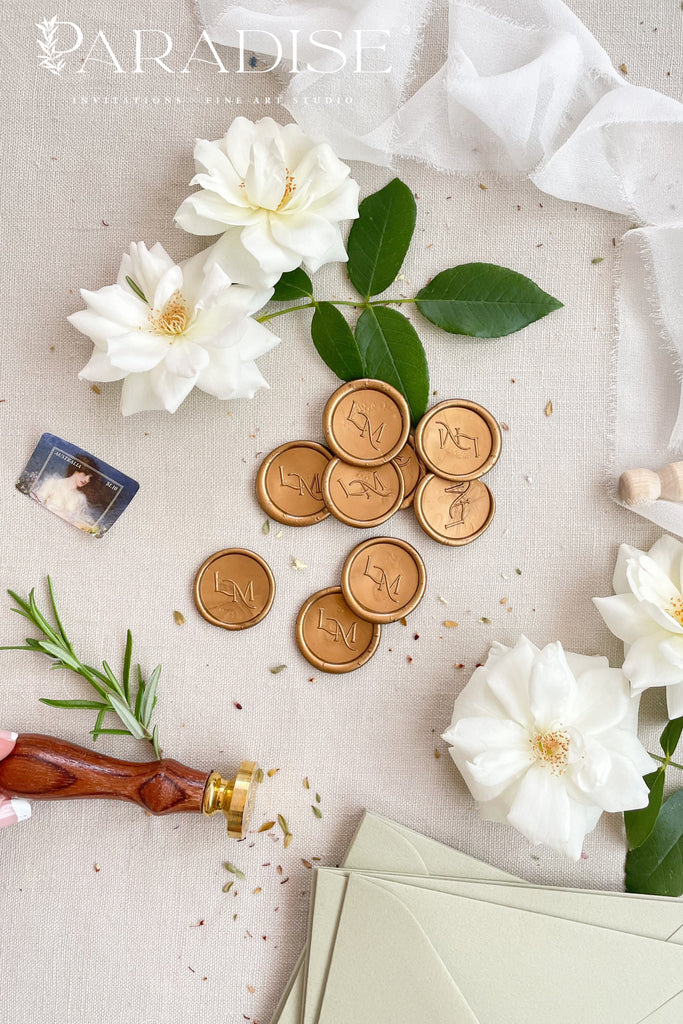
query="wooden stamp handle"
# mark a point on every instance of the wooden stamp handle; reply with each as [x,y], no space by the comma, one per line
[45,768]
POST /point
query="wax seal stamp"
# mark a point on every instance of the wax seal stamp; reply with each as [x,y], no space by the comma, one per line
[45,768]
[383,579]
[234,589]
[331,636]
[411,469]
[362,496]
[366,422]
[453,512]
[288,483]
[458,440]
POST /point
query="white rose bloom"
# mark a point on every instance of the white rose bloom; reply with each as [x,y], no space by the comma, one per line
[546,740]
[276,195]
[193,328]
[647,614]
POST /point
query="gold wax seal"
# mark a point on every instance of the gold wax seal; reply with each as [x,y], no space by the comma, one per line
[331,636]
[383,579]
[366,422]
[411,469]
[234,589]
[362,496]
[458,440]
[288,483]
[453,512]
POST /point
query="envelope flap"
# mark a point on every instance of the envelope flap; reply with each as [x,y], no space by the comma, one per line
[385,968]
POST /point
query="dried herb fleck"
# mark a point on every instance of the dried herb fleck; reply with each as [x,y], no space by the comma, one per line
[266,527]
[276,669]
[266,826]
[316,810]
[234,871]
[179,618]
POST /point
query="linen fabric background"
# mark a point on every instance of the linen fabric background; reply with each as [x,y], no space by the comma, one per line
[91,162]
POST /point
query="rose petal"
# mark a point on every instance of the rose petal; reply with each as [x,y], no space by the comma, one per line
[137,351]
[646,666]
[602,700]
[540,808]
[97,328]
[674,700]
[170,389]
[118,305]
[272,257]
[99,368]
[138,395]
[666,552]
[649,582]
[620,583]
[552,688]
[185,359]
[626,616]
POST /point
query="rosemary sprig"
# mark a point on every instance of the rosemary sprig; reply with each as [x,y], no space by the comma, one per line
[114,695]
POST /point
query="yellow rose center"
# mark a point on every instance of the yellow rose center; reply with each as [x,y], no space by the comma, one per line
[551,749]
[676,609]
[173,318]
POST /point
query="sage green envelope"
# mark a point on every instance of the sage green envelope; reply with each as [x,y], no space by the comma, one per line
[655,917]
[406,953]
[381,844]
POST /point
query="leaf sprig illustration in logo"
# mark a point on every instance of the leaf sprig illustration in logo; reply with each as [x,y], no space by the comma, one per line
[49,57]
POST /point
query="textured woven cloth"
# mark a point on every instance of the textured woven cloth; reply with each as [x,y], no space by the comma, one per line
[91,162]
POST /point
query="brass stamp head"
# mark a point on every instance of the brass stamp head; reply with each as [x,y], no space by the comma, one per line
[458,440]
[288,483]
[331,636]
[383,579]
[412,470]
[234,589]
[366,422]
[235,798]
[453,513]
[362,496]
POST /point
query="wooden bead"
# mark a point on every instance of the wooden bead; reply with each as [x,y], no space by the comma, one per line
[642,486]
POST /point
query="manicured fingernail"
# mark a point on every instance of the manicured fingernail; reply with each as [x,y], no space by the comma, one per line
[13,811]
[7,741]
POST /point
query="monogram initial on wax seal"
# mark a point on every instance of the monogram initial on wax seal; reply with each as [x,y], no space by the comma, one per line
[458,440]
[366,422]
[289,483]
[411,469]
[331,636]
[234,589]
[453,513]
[362,496]
[383,579]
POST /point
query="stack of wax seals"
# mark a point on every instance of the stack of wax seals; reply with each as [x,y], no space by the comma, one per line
[372,467]
[369,470]
[338,629]
[458,442]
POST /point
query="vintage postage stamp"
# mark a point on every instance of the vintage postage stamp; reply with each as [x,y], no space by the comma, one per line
[76,486]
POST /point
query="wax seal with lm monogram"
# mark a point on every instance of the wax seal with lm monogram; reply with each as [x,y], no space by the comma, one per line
[366,422]
[362,496]
[331,636]
[288,483]
[234,589]
[383,579]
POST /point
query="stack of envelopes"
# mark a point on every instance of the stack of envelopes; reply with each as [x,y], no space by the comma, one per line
[410,930]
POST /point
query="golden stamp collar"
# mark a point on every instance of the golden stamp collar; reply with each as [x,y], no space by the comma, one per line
[360,496]
[453,513]
[458,440]
[331,636]
[234,589]
[366,422]
[289,483]
[383,579]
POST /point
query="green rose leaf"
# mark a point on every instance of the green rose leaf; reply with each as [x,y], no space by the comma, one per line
[483,300]
[671,735]
[379,238]
[335,343]
[392,352]
[639,824]
[295,284]
[656,867]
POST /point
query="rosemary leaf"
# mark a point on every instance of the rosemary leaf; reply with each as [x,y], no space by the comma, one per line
[136,288]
